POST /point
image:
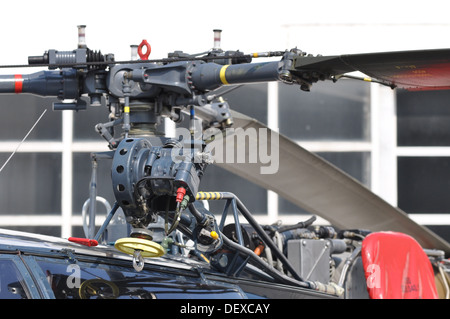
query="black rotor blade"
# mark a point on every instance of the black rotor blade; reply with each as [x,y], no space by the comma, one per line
[312,183]
[411,70]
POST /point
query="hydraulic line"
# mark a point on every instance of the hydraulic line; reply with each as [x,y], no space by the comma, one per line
[248,216]
[267,239]
[304,224]
[201,218]
[347,265]
[271,271]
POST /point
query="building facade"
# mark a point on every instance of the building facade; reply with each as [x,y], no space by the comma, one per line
[396,143]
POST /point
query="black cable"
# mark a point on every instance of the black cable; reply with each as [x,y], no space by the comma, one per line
[366,79]
[304,224]
[265,238]
[200,217]
[269,268]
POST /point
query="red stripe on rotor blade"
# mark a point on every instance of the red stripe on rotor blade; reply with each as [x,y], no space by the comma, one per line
[18,84]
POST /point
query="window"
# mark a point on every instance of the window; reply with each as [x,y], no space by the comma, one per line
[330,111]
[424,184]
[12,284]
[423,118]
[424,158]
[22,113]
[85,280]
[31,183]
[332,120]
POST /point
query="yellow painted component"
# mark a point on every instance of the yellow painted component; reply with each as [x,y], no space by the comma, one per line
[214,235]
[208,196]
[255,55]
[147,247]
[368,79]
[126,109]
[222,74]
[204,258]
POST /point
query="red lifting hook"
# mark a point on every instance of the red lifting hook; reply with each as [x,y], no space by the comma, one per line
[144,56]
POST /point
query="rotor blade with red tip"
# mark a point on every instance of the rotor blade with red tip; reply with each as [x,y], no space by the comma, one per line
[411,70]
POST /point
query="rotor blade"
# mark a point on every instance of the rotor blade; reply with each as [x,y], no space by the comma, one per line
[313,184]
[411,70]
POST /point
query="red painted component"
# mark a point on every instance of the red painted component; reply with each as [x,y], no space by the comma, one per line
[18,83]
[144,56]
[181,191]
[258,250]
[396,267]
[84,241]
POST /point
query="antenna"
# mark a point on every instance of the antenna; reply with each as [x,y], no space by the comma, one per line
[23,140]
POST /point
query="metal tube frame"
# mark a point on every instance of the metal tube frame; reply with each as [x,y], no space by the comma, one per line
[238,207]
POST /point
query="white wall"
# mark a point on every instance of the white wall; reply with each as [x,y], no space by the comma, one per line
[325,27]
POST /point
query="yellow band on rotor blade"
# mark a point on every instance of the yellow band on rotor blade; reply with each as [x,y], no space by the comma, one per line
[222,74]
[126,109]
